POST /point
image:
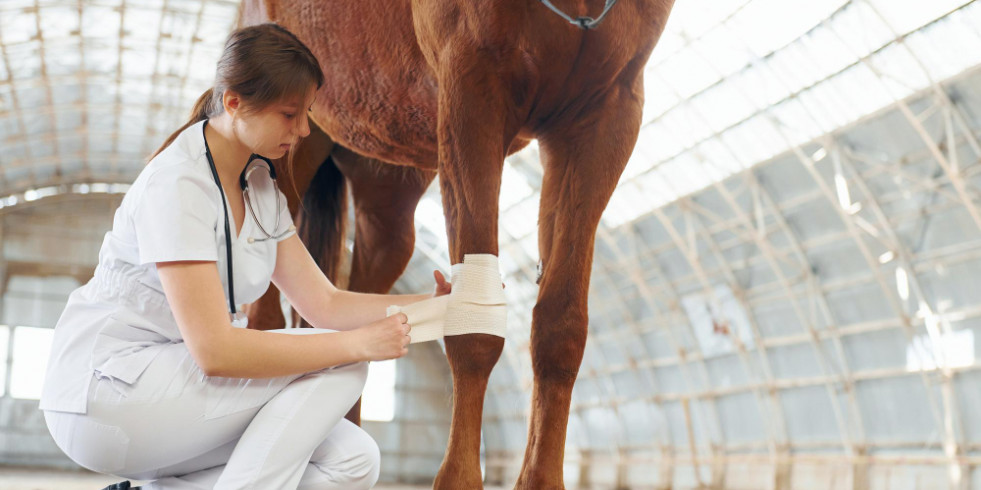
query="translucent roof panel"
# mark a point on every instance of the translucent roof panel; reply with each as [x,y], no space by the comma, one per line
[788,261]
[760,82]
[87,92]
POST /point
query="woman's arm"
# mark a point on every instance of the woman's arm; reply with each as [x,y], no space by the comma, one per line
[195,295]
[318,301]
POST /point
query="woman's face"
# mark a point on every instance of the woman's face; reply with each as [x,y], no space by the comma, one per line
[273,130]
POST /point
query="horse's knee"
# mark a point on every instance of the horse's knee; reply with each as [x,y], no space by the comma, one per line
[558,339]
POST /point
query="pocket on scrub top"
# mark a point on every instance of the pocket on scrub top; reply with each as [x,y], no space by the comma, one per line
[123,370]
[158,372]
[124,347]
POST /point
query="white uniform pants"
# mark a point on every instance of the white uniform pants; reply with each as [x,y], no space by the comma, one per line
[188,431]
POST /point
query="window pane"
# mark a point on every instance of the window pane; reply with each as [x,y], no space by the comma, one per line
[378,399]
[32,347]
[4,339]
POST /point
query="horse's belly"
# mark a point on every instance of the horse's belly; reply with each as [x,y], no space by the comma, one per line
[379,95]
[393,128]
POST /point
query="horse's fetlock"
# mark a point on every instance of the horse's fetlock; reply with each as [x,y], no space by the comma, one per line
[558,375]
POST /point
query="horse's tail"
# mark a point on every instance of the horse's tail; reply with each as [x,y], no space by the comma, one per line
[323,218]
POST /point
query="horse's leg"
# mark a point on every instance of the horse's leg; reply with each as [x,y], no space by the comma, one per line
[265,313]
[582,162]
[385,198]
[471,129]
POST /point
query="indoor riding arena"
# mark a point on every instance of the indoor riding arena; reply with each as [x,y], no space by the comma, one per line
[547,244]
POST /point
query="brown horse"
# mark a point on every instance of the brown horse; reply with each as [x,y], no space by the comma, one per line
[424,86]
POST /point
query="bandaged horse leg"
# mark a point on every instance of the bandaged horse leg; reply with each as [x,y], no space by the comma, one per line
[582,165]
[476,304]
[473,330]
[385,199]
[308,155]
[472,132]
[470,316]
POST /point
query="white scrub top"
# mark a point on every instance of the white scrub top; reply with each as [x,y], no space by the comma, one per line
[117,323]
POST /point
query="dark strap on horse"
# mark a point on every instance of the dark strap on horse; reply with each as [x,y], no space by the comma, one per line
[585,23]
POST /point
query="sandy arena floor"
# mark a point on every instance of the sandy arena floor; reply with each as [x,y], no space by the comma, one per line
[18,478]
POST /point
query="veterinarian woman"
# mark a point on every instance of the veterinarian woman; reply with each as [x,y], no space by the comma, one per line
[149,379]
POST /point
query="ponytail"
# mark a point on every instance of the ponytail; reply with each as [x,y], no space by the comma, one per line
[203,109]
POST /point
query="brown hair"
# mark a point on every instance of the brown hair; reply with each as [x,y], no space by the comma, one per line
[264,64]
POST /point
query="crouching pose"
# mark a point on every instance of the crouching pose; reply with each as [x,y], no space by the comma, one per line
[149,377]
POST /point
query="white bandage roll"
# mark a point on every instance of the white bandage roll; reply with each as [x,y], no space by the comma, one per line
[476,303]
[425,318]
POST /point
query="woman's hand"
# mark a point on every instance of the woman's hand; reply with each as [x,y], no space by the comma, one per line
[442,287]
[387,338]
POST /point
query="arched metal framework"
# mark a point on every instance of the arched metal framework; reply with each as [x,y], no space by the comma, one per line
[784,286]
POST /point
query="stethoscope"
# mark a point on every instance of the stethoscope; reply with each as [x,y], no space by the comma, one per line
[238,318]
